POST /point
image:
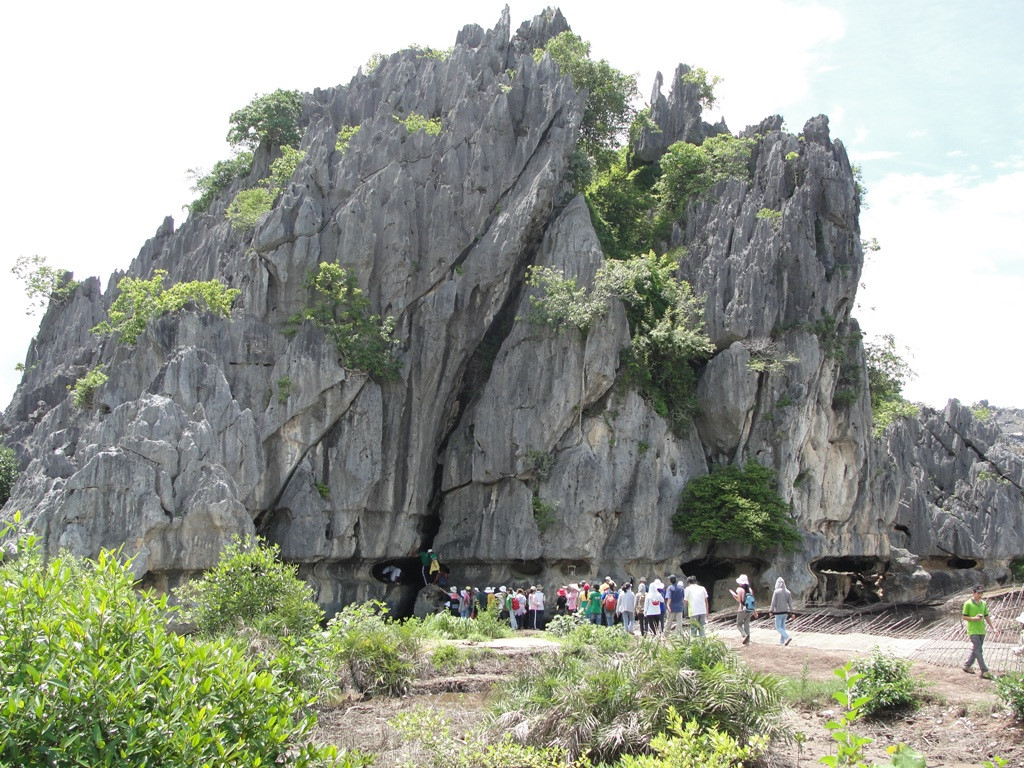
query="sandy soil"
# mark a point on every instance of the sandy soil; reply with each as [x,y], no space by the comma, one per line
[961,724]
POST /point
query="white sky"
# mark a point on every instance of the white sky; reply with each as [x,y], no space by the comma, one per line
[109,103]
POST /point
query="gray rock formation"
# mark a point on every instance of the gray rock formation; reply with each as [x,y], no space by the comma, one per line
[214,427]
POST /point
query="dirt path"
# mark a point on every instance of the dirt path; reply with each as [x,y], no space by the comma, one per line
[961,724]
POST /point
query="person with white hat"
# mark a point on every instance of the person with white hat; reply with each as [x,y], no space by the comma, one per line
[744,596]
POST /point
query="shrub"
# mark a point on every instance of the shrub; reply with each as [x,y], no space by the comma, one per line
[690,746]
[9,472]
[705,85]
[809,694]
[887,682]
[223,175]
[620,206]
[283,168]
[544,513]
[342,311]
[584,638]
[140,300]
[486,626]
[1010,689]
[605,706]
[380,655]
[284,389]
[248,207]
[888,373]
[416,122]
[43,283]
[737,504]
[85,388]
[90,677]
[344,136]
[561,626]
[251,587]
[272,118]
[689,171]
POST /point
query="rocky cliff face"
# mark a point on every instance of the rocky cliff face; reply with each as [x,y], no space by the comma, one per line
[191,442]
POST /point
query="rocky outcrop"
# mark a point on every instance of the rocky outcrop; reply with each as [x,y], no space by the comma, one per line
[513,449]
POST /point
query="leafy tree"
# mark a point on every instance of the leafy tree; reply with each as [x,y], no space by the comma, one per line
[223,175]
[9,472]
[272,118]
[251,587]
[734,504]
[620,208]
[342,311]
[888,373]
[283,168]
[609,108]
[705,85]
[43,283]
[689,170]
[138,301]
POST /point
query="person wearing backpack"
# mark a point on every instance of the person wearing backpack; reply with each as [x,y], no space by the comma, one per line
[675,598]
[744,596]
[609,599]
[591,600]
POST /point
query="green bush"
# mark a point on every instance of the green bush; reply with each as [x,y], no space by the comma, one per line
[606,706]
[888,373]
[809,694]
[690,746]
[344,136]
[248,207]
[272,118]
[620,206]
[561,626]
[283,168]
[887,681]
[380,655]
[705,85]
[342,311]
[486,626]
[416,122]
[138,301]
[90,677]
[223,175]
[584,638]
[737,504]
[85,388]
[9,472]
[1010,689]
[251,587]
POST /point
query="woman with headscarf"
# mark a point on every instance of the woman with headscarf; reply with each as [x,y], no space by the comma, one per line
[782,606]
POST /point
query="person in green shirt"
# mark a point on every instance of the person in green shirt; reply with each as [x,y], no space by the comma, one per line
[975,615]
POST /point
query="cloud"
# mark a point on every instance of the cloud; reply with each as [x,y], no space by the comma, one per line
[956,153]
[948,282]
[878,154]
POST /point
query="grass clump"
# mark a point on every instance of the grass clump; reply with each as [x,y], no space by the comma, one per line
[805,693]
[604,706]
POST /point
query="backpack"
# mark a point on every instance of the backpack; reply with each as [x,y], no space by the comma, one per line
[515,603]
[748,601]
[609,601]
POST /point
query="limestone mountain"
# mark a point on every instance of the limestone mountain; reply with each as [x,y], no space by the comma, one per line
[518,451]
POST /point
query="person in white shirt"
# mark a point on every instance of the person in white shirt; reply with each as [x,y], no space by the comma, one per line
[696,604]
[626,607]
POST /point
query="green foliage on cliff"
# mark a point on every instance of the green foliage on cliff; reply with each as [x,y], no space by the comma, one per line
[620,205]
[734,504]
[340,308]
[223,175]
[888,373]
[43,283]
[705,85]
[689,171]
[344,136]
[415,122]
[272,118]
[84,390]
[248,206]
[609,107]
[666,325]
[91,677]
[138,301]
[8,472]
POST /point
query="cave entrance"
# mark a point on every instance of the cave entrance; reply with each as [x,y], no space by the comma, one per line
[708,570]
[404,588]
[848,580]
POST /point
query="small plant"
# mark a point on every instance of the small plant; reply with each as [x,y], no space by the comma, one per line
[981,412]
[9,472]
[886,682]
[416,122]
[223,175]
[84,390]
[539,463]
[138,301]
[544,513]
[375,60]
[380,655]
[43,283]
[323,489]
[1010,689]
[772,216]
[785,401]
[806,693]
[705,85]
[792,156]
[284,389]
[561,626]
[693,746]
[643,447]
[426,52]
[344,137]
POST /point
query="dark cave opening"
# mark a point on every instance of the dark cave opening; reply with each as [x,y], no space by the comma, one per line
[961,563]
[708,570]
[848,580]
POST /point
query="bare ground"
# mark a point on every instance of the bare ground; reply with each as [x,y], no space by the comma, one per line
[962,722]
